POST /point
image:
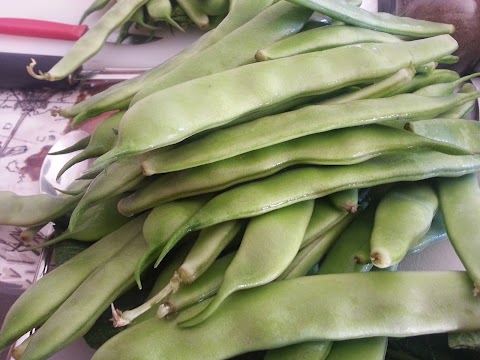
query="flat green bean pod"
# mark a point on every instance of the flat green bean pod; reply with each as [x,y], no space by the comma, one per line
[346,200]
[91,42]
[341,10]
[260,88]
[36,304]
[268,246]
[459,201]
[82,308]
[452,131]
[403,216]
[333,307]
[274,23]
[322,38]
[296,185]
[337,147]
[119,95]
[275,129]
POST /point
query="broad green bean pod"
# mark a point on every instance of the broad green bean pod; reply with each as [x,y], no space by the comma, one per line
[118,96]
[271,241]
[337,147]
[311,350]
[353,15]
[214,7]
[91,42]
[275,129]
[322,38]
[343,307]
[403,216]
[459,201]
[195,13]
[301,184]
[230,96]
[81,309]
[276,22]
[36,304]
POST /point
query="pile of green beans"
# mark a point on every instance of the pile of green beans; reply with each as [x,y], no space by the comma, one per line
[271,164]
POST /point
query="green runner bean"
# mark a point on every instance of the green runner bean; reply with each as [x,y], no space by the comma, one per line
[459,201]
[246,91]
[337,147]
[329,307]
[402,217]
[346,200]
[162,10]
[373,348]
[79,145]
[341,10]
[226,143]
[118,96]
[37,303]
[91,42]
[268,246]
[422,80]
[296,185]
[322,38]
[312,350]
[195,13]
[95,6]
[82,308]
[444,89]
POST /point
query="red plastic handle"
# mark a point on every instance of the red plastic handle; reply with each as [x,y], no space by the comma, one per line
[41,28]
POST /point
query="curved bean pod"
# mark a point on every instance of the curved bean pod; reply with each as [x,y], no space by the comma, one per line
[276,22]
[459,201]
[119,95]
[402,217]
[264,87]
[404,304]
[82,308]
[341,10]
[444,89]
[91,42]
[306,183]
[346,200]
[195,13]
[322,38]
[162,10]
[36,304]
[95,6]
[79,145]
[337,147]
[269,244]
[275,129]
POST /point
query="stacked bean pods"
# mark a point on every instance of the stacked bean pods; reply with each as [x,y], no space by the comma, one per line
[263,173]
